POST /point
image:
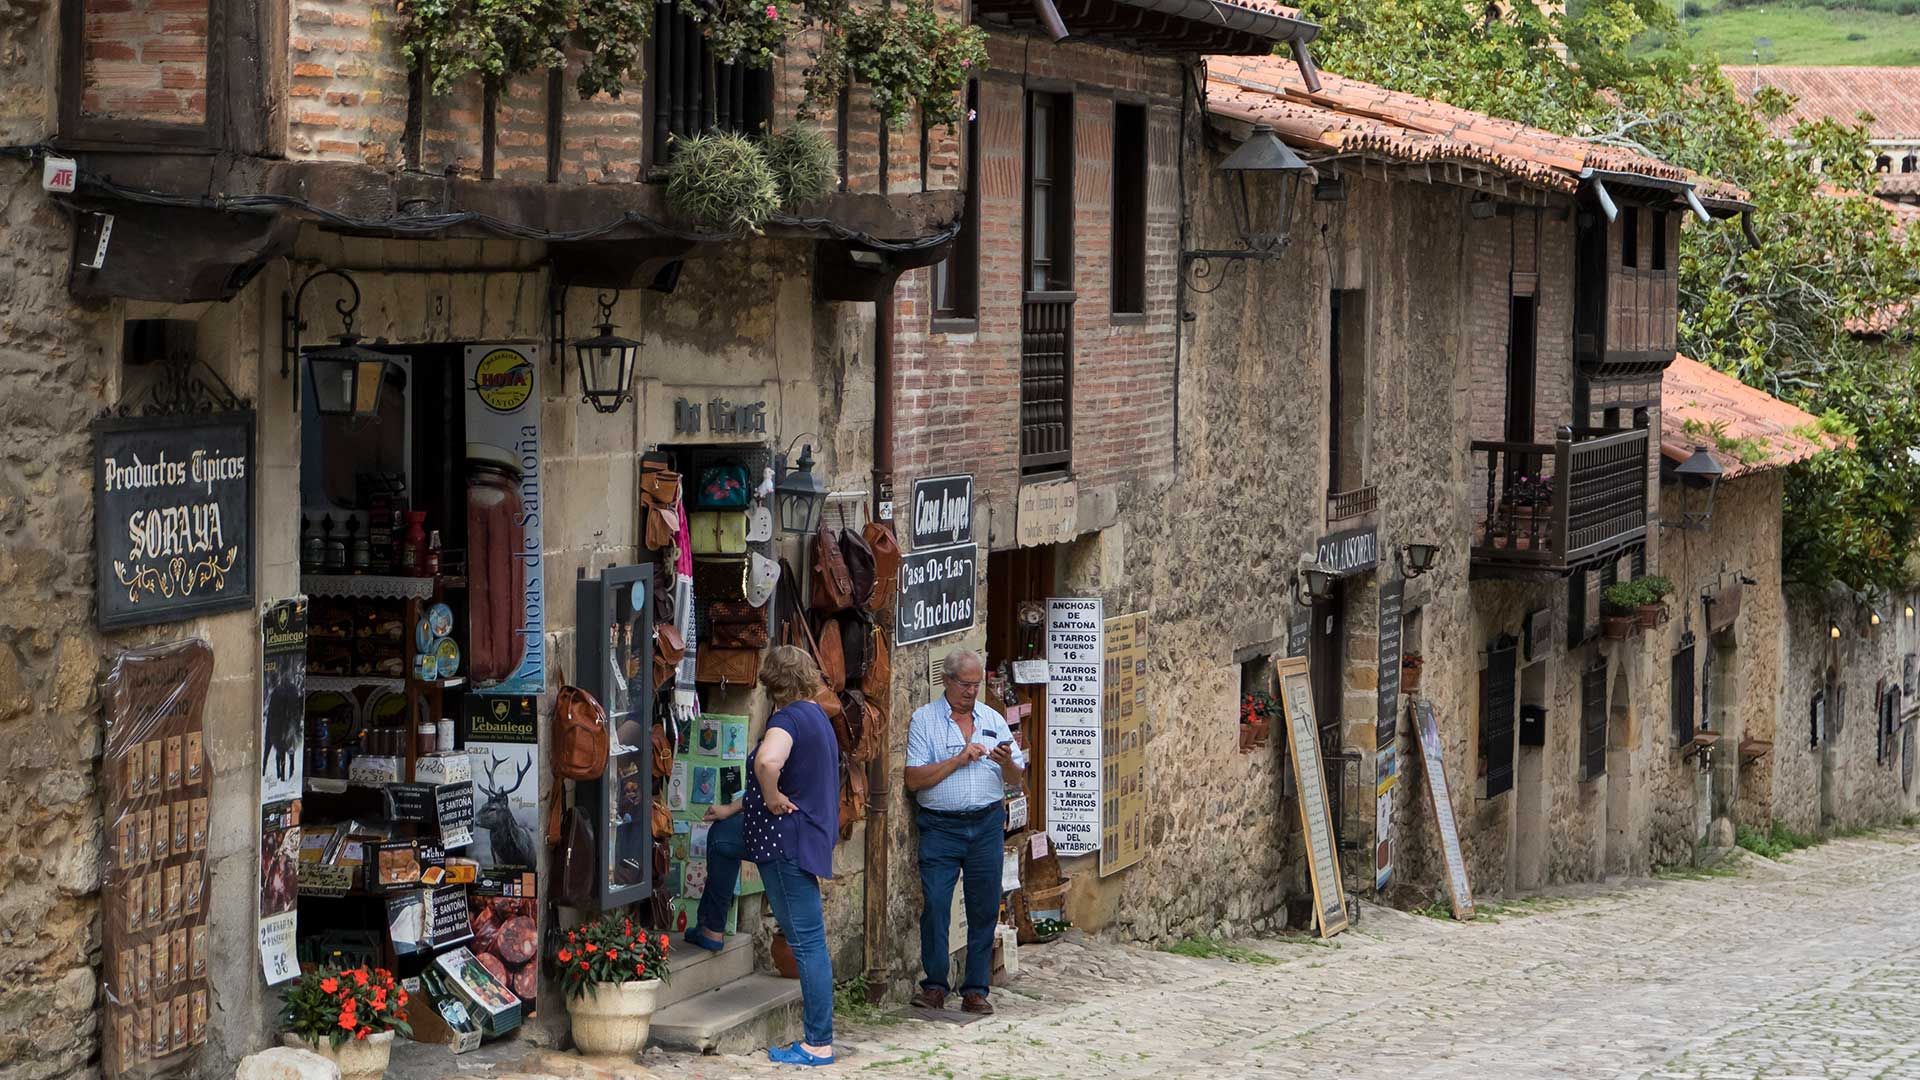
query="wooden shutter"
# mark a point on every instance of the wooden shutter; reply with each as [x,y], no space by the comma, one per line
[1682,693]
[1498,694]
[1593,721]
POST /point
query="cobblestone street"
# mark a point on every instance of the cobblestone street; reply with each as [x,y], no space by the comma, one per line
[1809,967]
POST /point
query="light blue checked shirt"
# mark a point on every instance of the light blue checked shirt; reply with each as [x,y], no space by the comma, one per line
[933,737]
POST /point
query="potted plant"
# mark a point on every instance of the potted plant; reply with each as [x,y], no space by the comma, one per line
[1526,497]
[1410,666]
[611,971]
[347,1017]
[1652,600]
[1618,606]
[1258,710]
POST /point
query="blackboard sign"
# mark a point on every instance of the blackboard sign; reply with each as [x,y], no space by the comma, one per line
[1309,776]
[936,594]
[173,516]
[1387,721]
[409,802]
[1348,553]
[1299,632]
[942,511]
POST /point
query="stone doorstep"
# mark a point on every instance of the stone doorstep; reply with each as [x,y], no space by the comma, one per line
[741,1017]
[696,971]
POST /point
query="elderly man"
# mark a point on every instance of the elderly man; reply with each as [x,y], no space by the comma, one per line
[961,757]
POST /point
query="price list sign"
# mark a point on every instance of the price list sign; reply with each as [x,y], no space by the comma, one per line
[1076,654]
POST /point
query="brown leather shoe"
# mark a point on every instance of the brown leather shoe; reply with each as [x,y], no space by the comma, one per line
[976,1003]
[929,997]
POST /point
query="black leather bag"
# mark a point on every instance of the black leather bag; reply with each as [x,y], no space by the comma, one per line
[572,883]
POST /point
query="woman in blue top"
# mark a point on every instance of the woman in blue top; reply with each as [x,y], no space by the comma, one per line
[792,814]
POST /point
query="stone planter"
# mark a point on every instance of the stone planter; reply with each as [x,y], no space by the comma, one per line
[613,1019]
[1618,627]
[1409,679]
[1253,736]
[1650,615]
[358,1059]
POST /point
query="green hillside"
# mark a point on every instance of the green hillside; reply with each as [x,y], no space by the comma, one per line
[1809,32]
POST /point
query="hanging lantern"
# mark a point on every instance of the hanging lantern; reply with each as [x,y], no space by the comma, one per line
[606,363]
[347,377]
[1264,163]
[801,494]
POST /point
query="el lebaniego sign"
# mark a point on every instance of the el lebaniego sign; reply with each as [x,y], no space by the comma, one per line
[173,516]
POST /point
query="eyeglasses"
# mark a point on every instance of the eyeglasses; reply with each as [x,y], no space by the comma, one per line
[970,684]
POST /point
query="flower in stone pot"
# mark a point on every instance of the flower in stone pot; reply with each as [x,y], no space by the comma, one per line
[1258,711]
[1650,602]
[348,1016]
[611,971]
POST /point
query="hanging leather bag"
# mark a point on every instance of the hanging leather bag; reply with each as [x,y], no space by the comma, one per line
[719,532]
[886,564]
[669,648]
[829,654]
[572,878]
[580,738]
[832,585]
[853,797]
[860,566]
[856,645]
[737,624]
[728,667]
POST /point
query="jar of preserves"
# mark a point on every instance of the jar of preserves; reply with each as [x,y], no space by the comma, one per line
[496,568]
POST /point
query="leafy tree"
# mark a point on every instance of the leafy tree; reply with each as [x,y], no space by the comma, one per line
[1774,313]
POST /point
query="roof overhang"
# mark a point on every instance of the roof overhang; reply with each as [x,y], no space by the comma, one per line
[1642,187]
[1159,27]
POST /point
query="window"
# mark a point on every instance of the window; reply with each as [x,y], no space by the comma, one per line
[1346,390]
[1681,693]
[1498,694]
[691,92]
[1049,192]
[1593,721]
[956,278]
[1630,236]
[1660,240]
[1521,369]
[1259,717]
[1885,704]
[1817,718]
[1129,209]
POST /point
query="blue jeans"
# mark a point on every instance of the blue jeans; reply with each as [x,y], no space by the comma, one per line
[795,896]
[966,847]
[726,847]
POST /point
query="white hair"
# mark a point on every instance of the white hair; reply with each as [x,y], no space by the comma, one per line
[960,658]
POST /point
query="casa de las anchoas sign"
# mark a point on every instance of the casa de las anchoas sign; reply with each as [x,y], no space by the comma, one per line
[936,593]
[173,516]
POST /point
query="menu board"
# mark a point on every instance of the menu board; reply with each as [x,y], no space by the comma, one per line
[1123,757]
[1075,659]
[155,894]
[1440,801]
[1316,822]
[1386,729]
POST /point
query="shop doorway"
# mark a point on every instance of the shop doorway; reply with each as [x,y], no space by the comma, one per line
[1326,667]
[1017,580]
[1530,802]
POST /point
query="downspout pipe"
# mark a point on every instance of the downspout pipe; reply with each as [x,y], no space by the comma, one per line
[879,790]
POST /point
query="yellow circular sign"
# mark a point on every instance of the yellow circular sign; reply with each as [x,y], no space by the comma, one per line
[504,380]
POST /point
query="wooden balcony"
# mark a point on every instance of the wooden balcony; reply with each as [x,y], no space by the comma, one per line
[1542,510]
[1358,503]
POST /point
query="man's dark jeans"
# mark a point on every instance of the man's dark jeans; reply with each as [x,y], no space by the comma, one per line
[966,847]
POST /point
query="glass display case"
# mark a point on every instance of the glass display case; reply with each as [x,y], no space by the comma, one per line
[616,665]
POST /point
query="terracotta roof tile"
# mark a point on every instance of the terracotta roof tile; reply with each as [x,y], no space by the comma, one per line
[1690,390]
[1891,94]
[1349,116]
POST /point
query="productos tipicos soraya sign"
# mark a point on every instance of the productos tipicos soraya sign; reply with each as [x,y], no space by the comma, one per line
[173,516]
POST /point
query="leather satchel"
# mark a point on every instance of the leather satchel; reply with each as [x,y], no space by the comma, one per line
[728,667]
[662,820]
[669,648]
[886,565]
[662,752]
[580,737]
[719,532]
[737,624]
[719,578]
[860,566]
[572,877]
[832,584]
[853,797]
[831,657]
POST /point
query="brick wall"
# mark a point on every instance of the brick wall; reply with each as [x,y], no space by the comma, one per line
[959,392]
[146,60]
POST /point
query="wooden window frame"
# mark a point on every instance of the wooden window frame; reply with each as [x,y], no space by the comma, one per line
[1127,251]
[1659,223]
[662,114]
[1681,693]
[76,128]
[1059,265]
[1630,238]
[1817,718]
[1497,732]
[1593,722]
[961,267]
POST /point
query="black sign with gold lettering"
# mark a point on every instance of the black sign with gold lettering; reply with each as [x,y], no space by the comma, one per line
[173,516]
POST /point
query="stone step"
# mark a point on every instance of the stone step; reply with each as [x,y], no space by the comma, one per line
[696,971]
[741,1017]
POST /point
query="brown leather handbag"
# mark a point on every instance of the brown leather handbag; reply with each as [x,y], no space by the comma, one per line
[669,648]
[729,667]
[832,584]
[662,752]
[886,565]
[877,683]
[572,878]
[831,656]
[580,738]
[853,797]
[736,624]
[662,820]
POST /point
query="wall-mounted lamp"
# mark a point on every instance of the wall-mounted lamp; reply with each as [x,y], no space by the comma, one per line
[1909,611]
[1873,616]
[1416,559]
[1833,630]
[1262,162]
[1698,473]
[1312,583]
[802,495]
[606,362]
[347,375]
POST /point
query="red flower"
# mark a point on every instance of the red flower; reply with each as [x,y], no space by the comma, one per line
[663,942]
[591,947]
[639,969]
[347,1020]
[361,1034]
[584,965]
[613,954]
[360,976]
[566,956]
